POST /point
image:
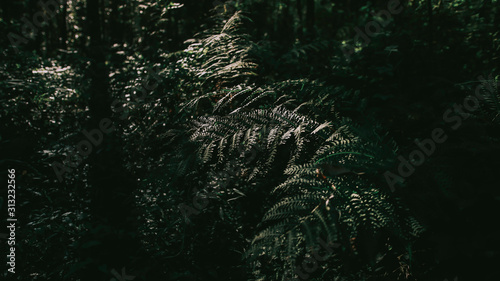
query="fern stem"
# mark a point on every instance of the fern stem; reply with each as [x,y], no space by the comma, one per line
[345,152]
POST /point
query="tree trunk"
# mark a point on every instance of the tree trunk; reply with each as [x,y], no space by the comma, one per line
[310,18]
[63,26]
[115,26]
[299,21]
[111,186]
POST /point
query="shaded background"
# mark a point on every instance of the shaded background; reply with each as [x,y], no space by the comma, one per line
[117,208]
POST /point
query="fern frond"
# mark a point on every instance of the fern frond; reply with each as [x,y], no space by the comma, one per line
[341,207]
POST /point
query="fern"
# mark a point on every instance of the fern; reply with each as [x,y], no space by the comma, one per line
[491,107]
[327,192]
[228,52]
[339,210]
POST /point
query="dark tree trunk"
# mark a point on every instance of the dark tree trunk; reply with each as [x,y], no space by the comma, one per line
[310,19]
[299,16]
[285,28]
[99,97]
[431,24]
[111,186]
[115,26]
[63,29]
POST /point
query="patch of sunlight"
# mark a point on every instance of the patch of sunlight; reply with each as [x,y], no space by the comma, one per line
[53,70]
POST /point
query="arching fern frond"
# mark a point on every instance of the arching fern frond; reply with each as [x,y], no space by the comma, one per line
[228,52]
[323,188]
[327,198]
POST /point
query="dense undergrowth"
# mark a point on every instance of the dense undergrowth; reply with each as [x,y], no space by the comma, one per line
[253,153]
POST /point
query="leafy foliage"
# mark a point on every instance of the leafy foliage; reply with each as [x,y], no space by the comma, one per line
[245,143]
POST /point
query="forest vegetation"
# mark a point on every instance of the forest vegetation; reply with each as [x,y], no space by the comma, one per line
[251,139]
